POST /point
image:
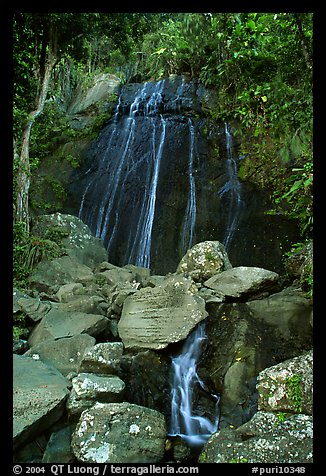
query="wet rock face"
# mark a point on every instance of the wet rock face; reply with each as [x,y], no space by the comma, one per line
[166,120]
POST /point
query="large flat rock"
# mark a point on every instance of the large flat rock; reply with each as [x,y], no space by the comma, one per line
[64,354]
[57,324]
[152,318]
[39,395]
[244,283]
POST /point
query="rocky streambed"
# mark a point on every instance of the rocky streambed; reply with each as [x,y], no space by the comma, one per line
[92,377]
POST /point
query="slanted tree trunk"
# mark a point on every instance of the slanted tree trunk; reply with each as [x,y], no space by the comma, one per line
[23,172]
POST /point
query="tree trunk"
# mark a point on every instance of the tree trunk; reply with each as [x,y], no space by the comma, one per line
[23,173]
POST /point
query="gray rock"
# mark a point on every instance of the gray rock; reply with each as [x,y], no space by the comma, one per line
[103,358]
[80,244]
[39,395]
[117,296]
[87,389]
[58,449]
[119,433]
[83,303]
[264,439]
[57,324]
[68,291]
[19,346]
[49,276]
[152,318]
[244,283]
[64,354]
[34,308]
[116,275]
[288,386]
[103,86]
[293,322]
[204,260]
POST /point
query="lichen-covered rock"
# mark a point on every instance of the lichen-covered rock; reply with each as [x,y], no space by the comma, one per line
[288,386]
[103,358]
[264,439]
[244,283]
[152,318]
[119,433]
[204,260]
[80,244]
[87,389]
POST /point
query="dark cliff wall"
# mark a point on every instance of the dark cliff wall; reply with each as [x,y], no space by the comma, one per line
[136,181]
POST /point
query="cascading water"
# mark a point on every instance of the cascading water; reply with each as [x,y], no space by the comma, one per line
[233,189]
[191,427]
[190,215]
[120,195]
[120,200]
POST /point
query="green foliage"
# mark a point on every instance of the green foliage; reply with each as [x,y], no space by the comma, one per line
[281,416]
[259,64]
[294,391]
[28,251]
[238,459]
[209,256]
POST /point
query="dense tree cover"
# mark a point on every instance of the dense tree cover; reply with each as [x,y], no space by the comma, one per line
[259,64]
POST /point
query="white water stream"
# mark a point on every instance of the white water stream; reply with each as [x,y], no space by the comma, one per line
[191,427]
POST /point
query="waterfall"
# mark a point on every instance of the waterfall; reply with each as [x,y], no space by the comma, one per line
[120,167]
[233,190]
[190,214]
[191,427]
[140,254]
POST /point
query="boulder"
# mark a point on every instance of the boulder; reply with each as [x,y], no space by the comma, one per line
[152,318]
[287,386]
[264,439]
[238,347]
[49,276]
[90,304]
[103,358]
[68,291]
[34,308]
[79,244]
[58,447]
[300,263]
[204,260]
[288,312]
[103,85]
[39,396]
[87,389]
[64,354]
[244,283]
[119,433]
[57,324]
[117,296]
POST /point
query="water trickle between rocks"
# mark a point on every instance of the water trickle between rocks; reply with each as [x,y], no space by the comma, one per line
[185,421]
